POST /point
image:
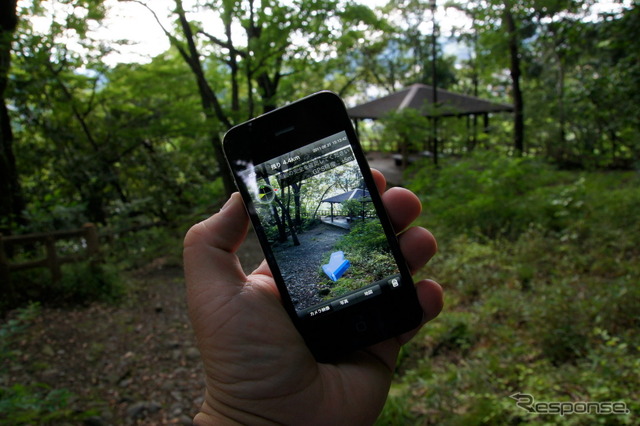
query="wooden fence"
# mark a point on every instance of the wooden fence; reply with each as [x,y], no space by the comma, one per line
[89,244]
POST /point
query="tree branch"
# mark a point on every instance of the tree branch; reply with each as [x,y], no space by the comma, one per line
[222,43]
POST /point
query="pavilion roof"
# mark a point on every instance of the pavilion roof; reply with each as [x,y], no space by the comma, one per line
[420,96]
[354,194]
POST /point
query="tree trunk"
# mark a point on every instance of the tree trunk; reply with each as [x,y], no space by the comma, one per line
[210,104]
[315,213]
[561,113]
[280,223]
[434,82]
[11,201]
[286,220]
[282,231]
[514,67]
[296,187]
[292,227]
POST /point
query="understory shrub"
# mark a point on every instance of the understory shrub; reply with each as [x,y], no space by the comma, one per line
[541,270]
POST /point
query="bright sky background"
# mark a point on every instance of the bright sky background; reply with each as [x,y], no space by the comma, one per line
[131,21]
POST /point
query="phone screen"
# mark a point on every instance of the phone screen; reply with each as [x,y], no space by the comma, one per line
[322,228]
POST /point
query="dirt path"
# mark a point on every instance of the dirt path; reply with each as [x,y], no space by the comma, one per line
[299,264]
[135,363]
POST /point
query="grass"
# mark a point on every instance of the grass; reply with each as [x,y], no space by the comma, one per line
[368,251]
[541,270]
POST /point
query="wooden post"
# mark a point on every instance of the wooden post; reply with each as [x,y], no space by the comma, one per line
[91,236]
[52,258]
[6,287]
[475,131]
[4,263]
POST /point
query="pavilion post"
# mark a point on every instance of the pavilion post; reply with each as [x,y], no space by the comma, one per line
[474,140]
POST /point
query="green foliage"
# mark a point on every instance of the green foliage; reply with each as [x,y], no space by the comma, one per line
[367,250]
[355,209]
[88,282]
[24,405]
[13,326]
[365,236]
[405,130]
[136,150]
[498,196]
[132,250]
[81,283]
[397,410]
[591,118]
[547,305]
[405,55]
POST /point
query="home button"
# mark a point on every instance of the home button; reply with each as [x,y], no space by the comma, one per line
[360,324]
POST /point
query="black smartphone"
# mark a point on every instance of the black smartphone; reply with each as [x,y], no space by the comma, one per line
[322,226]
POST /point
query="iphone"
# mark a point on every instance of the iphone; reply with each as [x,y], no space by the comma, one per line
[322,226]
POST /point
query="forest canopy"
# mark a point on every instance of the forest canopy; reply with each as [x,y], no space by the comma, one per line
[86,140]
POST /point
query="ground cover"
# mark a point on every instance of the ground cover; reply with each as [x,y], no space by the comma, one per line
[541,270]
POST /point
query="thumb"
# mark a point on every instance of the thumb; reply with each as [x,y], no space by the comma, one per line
[210,262]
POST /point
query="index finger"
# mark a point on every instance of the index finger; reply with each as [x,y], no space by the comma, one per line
[380,180]
[402,205]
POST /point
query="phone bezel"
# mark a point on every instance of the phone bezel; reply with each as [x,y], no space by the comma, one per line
[281,131]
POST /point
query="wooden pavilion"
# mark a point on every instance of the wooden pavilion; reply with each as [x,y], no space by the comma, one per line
[421,97]
[358,194]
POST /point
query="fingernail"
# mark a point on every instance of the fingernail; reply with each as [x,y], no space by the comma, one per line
[228,203]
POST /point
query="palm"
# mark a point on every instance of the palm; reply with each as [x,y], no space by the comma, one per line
[274,371]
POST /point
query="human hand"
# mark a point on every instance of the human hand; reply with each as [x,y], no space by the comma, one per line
[258,369]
